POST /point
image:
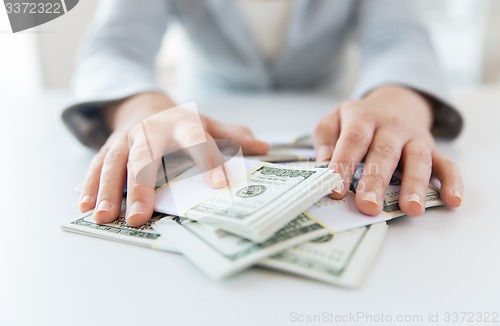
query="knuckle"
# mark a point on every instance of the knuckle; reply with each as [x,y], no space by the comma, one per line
[140,150]
[320,128]
[108,184]
[386,148]
[140,160]
[344,166]
[420,154]
[378,180]
[396,122]
[116,156]
[117,137]
[356,137]
[346,161]
[138,188]
[120,135]
[452,170]
[134,135]
[102,152]
[96,162]
[417,181]
[366,115]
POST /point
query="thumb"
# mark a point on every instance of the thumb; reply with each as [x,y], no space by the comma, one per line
[241,134]
[251,145]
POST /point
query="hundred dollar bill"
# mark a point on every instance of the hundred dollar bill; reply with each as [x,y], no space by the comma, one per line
[119,231]
[391,199]
[220,254]
[263,197]
[342,259]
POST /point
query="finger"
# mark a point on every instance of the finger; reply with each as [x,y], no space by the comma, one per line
[210,161]
[150,143]
[140,184]
[142,173]
[88,195]
[111,183]
[140,202]
[452,187]
[241,134]
[417,171]
[356,133]
[380,163]
[326,135]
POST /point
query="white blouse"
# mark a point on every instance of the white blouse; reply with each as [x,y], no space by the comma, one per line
[267,21]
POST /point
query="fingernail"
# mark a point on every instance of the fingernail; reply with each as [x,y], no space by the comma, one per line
[218,176]
[325,153]
[457,194]
[415,198]
[85,199]
[135,209]
[371,197]
[339,189]
[104,206]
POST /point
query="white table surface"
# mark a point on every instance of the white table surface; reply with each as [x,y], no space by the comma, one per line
[446,261]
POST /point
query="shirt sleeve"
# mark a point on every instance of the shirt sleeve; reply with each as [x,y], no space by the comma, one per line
[396,49]
[116,60]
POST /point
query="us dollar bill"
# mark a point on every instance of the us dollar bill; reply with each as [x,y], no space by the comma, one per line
[342,259]
[262,200]
[120,231]
[391,198]
[220,254]
[265,186]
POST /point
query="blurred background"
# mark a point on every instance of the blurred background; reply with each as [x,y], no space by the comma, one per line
[466,34]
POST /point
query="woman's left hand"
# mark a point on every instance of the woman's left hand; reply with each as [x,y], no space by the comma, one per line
[390,126]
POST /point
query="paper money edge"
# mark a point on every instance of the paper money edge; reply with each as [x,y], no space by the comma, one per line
[298,208]
[205,258]
[357,268]
[160,243]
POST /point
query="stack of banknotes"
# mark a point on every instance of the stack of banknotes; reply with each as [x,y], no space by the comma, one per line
[278,217]
[260,199]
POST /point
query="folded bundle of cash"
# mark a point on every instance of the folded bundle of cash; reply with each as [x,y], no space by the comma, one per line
[302,247]
[260,200]
[342,259]
[224,231]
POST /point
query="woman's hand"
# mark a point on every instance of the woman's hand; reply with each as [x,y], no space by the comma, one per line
[128,149]
[388,127]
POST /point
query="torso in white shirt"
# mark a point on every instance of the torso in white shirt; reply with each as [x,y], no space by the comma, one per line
[267,21]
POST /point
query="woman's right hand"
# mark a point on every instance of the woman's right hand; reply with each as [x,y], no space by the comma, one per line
[128,149]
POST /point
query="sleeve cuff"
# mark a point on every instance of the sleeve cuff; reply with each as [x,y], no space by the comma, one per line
[86,123]
[85,120]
